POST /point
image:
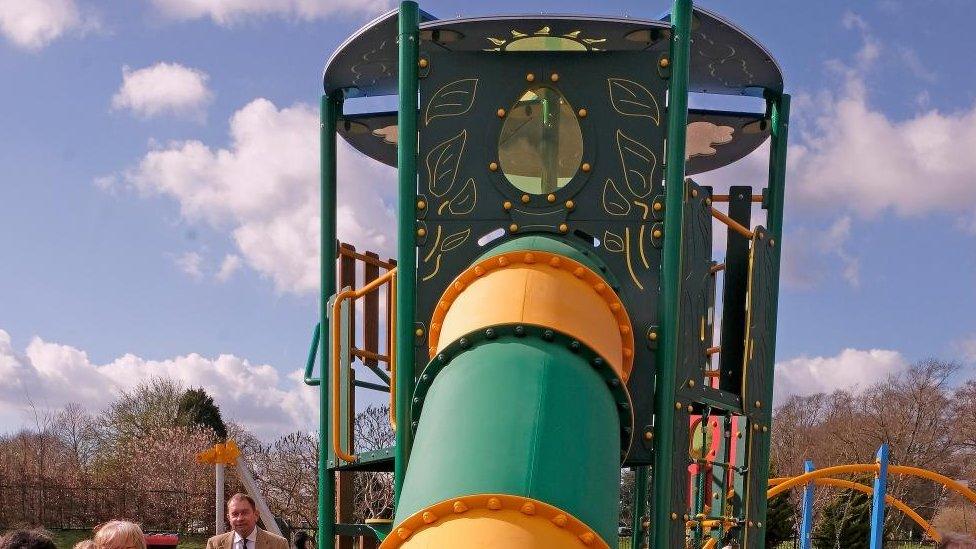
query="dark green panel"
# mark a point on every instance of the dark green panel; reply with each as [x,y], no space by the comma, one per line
[538,421]
[759,351]
[611,214]
[695,296]
[736,283]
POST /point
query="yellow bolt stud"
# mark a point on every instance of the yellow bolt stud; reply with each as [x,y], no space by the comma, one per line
[525,199]
[494,504]
[587,538]
[657,206]
[419,332]
[585,167]
[501,113]
[493,166]
[648,435]
[513,227]
[423,63]
[765,428]
[530,77]
[758,404]
[677,405]
[421,232]
[563,228]
[582,113]
[551,197]
[421,204]
[674,516]
[691,382]
[429,518]
[460,507]
[656,233]
[507,205]
[403,533]
[528,508]
[554,77]
[664,62]
[652,336]
[560,520]
[570,204]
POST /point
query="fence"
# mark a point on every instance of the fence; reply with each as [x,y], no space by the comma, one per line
[60,507]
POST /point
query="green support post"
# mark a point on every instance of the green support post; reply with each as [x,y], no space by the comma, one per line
[409,33]
[670,276]
[330,109]
[637,533]
[780,115]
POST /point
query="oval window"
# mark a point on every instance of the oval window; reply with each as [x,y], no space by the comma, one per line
[541,144]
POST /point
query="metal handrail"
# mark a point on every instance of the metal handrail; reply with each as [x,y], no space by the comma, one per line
[349,295]
[313,351]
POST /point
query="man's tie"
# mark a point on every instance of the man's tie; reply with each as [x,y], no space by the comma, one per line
[244,541]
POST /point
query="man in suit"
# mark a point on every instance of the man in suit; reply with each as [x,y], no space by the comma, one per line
[245,534]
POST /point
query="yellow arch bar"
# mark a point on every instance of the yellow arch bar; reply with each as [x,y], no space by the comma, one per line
[786,484]
[890,500]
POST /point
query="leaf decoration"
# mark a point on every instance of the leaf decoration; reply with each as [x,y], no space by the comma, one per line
[454,240]
[464,201]
[613,242]
[632,99]
[638,163]
[452,99]
[443,162]
[613,201]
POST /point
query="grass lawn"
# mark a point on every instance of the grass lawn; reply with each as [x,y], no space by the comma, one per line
[65,539]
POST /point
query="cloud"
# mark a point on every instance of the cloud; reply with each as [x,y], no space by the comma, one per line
[228,267]
[163,88]
[190,263]
[812,252]
[264,189]
[228,12]
[51,375]
[33,24]
[851,370]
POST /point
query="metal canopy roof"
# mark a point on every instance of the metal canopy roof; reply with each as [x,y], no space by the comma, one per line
[724,59]
[715,138]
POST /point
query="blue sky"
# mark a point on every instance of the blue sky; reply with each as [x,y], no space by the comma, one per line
[158,192]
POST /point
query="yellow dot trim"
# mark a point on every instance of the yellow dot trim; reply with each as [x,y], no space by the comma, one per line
[542,516]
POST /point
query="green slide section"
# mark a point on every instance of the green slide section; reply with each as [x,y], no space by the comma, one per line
[524,417]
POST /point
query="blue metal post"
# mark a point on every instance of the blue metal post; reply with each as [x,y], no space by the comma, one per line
[878,505]
[806,526]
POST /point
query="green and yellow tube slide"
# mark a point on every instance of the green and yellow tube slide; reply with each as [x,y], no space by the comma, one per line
[523,409]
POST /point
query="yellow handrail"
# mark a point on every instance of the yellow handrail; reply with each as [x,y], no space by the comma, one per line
[336,336]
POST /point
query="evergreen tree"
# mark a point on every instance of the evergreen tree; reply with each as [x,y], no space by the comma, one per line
[196,407]
[780,520]
[845,523]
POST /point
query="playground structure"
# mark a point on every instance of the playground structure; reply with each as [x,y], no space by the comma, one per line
[881,469]
[227,454]
[550,315]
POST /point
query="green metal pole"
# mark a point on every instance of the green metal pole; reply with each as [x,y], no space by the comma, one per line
[780,116]
[409,21]
[327,157]
[670,278]
[637,532]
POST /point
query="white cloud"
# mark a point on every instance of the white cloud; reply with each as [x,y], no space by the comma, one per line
[851,370]
[51,375]
[264,188]
[227,12]
[189,263]
[33,24]
[163,88]
[228,267]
